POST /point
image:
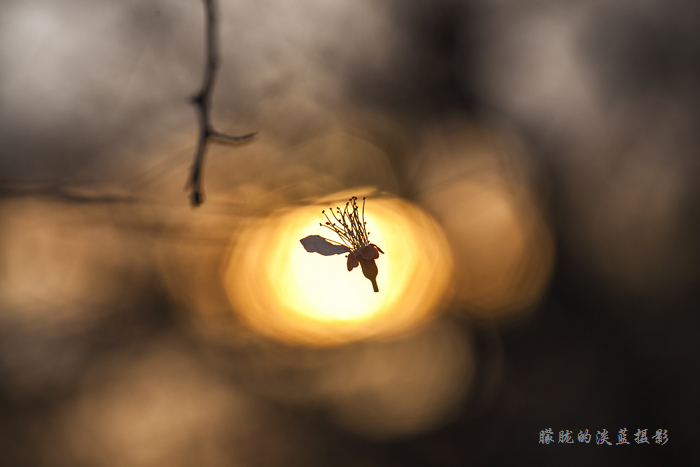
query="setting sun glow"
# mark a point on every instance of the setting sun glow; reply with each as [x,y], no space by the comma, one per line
[286,293]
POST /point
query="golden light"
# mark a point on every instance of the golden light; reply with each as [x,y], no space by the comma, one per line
[138,409]
[477,185]
[310,281]
[286,293]
[60,262]
[505,252]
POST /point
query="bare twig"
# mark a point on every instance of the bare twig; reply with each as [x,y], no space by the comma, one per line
[203,103]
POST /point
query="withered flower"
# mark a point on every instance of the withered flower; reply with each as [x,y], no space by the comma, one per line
[354,237]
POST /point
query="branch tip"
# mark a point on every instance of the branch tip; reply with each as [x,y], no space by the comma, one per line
[202,101]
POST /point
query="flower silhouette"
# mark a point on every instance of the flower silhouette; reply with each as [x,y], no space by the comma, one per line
[355,240]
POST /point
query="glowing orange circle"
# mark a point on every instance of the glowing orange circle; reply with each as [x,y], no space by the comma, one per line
[288,294]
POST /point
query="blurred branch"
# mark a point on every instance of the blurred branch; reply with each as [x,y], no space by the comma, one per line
[66,192]
[203,103]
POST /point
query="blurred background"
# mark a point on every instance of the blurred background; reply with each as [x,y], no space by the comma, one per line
[530,172]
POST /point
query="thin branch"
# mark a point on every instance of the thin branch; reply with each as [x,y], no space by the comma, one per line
[66,192]
[203,103]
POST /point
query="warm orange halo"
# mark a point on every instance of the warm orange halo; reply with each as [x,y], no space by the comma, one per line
[288,294]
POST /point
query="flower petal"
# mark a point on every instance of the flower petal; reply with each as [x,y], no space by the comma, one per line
[352,262]
[320,245]
[369,252]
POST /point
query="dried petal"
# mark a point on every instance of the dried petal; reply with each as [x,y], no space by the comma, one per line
[369,252]
[320,245]
[352,261]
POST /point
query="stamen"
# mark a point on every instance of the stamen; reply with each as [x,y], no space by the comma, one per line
[348,226]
